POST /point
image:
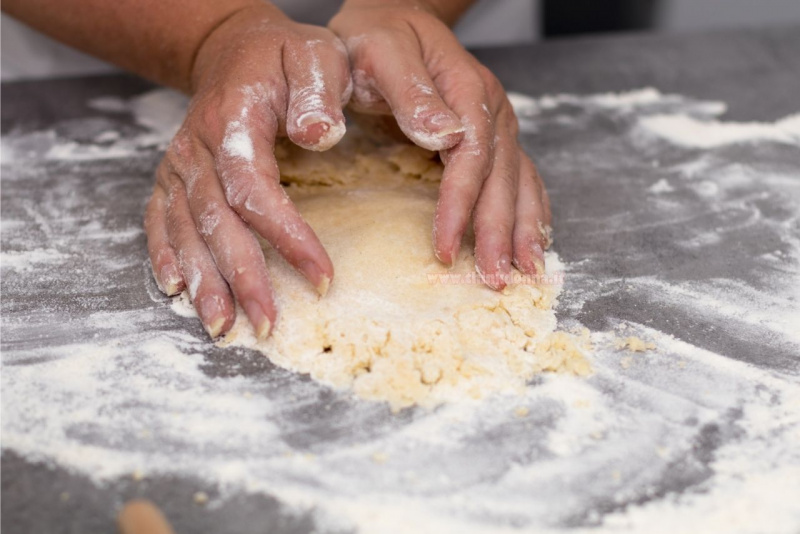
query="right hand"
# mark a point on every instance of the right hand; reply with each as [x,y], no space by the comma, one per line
[257,76]
[407,62]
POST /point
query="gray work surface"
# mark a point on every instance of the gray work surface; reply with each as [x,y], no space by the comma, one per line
[616,243]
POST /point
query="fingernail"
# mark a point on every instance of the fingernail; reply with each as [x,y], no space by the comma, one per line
[323,286]
[443,124]
[262,326]
[538,257]
[455,250]
[170,280]
[264,330]
[315,275]
[547,233]
[210,309]
[314,117]
[215,328]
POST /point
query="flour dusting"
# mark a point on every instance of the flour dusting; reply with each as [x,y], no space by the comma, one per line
[690,132]
[693,247]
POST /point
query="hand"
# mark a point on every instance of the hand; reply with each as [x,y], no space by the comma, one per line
[257,76]
[406,62]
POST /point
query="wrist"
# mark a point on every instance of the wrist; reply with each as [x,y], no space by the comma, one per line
[448,11]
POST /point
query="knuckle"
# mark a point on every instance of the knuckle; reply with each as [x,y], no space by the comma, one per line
[238,189]
[511,118]
[164,165]
[507,178]
[215,110]
[180,227]
[482,163]
[421,95]
[180,231]
[210,117]
[180,146]
[490,81]
[174,189]
[178,156]
[421,88]
[151,215]
[209,218]
[247,279]
[483,71]
[492,88]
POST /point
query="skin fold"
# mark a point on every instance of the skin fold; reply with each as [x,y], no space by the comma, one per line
[253,75]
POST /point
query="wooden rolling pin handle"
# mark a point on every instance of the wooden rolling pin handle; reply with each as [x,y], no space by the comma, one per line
[142,517]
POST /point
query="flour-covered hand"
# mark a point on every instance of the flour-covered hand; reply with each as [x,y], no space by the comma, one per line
[406,61]
[257,76]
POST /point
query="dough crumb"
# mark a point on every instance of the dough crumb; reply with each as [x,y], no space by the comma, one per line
[200,498]
[522,411]
[380,458]
[634,344]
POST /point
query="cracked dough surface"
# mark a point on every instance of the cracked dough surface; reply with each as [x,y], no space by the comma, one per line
[390,328]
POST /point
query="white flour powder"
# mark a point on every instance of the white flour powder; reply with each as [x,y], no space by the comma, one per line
[621,451]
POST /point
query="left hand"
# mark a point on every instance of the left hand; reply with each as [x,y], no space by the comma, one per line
[406,62]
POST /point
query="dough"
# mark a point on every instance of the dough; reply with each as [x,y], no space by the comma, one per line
[390,327]
[634,344]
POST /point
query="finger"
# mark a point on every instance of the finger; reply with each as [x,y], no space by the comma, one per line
[467,166]
[163,259]
[548,214]
[545,228]
[402,79]
[318,78]
[246,166]
[494,215]
[366,98]
[207,288]
[236,251]
[529,239]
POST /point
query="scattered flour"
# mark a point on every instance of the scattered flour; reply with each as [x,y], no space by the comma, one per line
[160,112]
[661,186]
[691,132]
[28,260]
[684,440]
[526,105]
